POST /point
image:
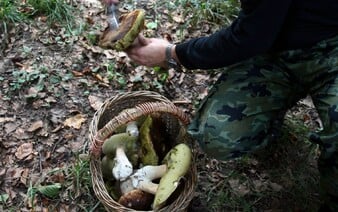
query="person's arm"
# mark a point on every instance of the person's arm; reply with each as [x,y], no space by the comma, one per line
[252,33]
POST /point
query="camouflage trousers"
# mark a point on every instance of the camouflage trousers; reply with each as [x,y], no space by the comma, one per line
[250,99]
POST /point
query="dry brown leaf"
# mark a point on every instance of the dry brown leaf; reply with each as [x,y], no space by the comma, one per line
[24,151]
[21,134]
[95,102]
[12,194]
[77,73]
[10,127]
[24,177]
[276,187]
[35,126]
[14,173]
[75,121]
[6,119]
[238,188]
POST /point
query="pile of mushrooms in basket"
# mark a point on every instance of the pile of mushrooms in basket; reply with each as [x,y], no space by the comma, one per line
[140,169]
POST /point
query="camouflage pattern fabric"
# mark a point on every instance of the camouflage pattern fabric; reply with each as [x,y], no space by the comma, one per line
[246,106]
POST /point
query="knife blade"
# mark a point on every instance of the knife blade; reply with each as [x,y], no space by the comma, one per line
[111,15]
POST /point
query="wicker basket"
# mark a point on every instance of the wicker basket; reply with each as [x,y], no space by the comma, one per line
[126,107]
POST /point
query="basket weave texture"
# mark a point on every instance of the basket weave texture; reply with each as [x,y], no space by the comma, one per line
[126,107]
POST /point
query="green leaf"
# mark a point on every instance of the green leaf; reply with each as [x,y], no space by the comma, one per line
[4,198]
[152,25]
[51,191]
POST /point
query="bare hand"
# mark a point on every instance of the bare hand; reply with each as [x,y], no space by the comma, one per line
[148,51]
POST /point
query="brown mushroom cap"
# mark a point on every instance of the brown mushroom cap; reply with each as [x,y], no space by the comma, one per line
[137,200]
[120,39]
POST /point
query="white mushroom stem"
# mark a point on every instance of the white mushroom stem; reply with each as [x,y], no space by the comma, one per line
[122,167]
[142,178]
[126,186]
[132,129]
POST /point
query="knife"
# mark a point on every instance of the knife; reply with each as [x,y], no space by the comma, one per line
[111,15]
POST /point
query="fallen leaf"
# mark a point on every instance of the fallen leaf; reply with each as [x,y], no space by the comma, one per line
[95,102]
[24,151]
[6,119]
[10,127]
[75,121]
[21,134]
[24,177]
[276,187]
[238,188]
[13,173]
[35,126]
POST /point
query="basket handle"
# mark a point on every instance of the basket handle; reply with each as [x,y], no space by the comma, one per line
[131,114]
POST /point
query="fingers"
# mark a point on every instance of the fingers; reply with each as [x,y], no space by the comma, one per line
[143,41]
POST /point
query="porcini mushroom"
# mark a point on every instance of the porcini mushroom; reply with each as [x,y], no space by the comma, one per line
[175,165]
[132,129]
[107,165]
[142,178]
[178,161]
[123,37]
[137,200]
[122,166]
[148,153]
[134,198]
[115,147]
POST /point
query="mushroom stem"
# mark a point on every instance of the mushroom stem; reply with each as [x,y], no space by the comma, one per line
[148,186]
[132,129]
[122,167]
[142,178]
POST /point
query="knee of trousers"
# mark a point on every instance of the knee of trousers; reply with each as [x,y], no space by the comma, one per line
[228,140]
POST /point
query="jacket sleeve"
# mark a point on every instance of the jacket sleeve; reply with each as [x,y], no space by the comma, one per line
[252,33]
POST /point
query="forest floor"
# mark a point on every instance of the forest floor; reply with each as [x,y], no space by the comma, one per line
[53,80]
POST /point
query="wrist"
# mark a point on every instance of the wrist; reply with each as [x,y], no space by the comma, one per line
[171,57]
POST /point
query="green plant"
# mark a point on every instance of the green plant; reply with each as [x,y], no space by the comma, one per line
[8,16]
[22,78]
[79,183]
[9,13]
[57,11]
[113,75]
[218,12]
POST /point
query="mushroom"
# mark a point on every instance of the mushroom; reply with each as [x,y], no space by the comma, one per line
[142,178]
[107,165]
[178,161]
[122,166]
[175,165]
[115,147]
[148,153]
[136,199]
[121,38]
[132,129]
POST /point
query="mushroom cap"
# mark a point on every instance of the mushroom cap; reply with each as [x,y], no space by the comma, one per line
[120,39]
[107,165]
[178,161]
[148,153]
[137,199]
[124,140]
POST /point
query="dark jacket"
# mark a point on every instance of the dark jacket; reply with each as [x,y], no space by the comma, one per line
[263,26]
